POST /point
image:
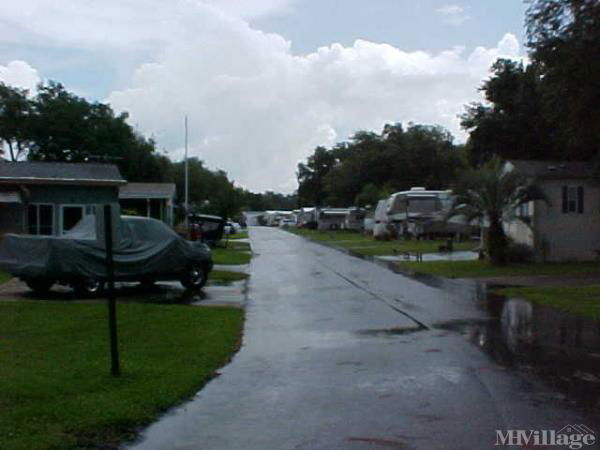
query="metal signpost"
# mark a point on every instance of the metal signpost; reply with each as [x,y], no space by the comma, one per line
[110,278]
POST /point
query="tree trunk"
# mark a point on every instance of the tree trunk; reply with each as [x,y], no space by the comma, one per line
[497,242]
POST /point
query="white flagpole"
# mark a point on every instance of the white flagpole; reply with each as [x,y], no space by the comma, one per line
[186,174]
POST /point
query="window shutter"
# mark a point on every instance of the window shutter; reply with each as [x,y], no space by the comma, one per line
[580,199]
[565,200]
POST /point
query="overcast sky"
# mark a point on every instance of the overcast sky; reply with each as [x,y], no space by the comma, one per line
[262,81]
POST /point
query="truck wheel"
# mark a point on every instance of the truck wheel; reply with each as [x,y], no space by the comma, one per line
[195,277]
[39,286]
[88,288]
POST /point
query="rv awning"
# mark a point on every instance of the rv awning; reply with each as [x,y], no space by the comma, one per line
[10,197]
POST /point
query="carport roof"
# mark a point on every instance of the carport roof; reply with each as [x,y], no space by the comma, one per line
[147,190]
[60,173]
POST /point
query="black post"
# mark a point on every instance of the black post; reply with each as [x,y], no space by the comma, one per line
[110,277]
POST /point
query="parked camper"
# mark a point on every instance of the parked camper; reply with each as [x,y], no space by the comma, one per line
[274,218]
[369,222]
[421,212]
[354,219]
[253,218]
[380,227]
[331,218]
[308,217]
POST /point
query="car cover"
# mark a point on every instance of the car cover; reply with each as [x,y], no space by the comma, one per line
[145,248]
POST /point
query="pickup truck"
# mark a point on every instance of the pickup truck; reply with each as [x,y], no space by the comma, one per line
[146,250]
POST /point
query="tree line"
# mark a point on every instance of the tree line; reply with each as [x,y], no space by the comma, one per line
[372,165]
[547,109]
[57,125]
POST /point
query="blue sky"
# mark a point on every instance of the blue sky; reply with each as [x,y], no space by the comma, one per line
[407,24]
[263,81]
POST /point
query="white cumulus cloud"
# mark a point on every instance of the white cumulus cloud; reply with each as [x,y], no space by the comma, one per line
[19,74]
[256,109]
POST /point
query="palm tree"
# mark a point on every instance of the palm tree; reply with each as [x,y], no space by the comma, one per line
[493,193]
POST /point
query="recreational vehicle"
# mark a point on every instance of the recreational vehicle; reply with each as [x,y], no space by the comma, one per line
[380,228]
[354,219]
[331,218]
[421,212]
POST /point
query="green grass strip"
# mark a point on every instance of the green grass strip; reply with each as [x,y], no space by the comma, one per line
[223,276]
[582,301]
[478,269]
[56,391]
[231,256]
[368,246]
[242,235]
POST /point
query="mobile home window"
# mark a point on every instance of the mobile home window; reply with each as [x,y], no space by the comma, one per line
[572,199]
[522,210]
[41,219]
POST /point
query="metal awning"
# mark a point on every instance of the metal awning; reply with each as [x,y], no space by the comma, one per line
[10,197]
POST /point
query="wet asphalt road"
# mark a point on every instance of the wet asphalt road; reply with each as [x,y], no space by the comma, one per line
[340,353]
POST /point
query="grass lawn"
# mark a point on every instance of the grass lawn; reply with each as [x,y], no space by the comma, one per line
[583,300]
[329,236]
[242,235]
[4,277]
[223,276]
[56,391]
[242,246]
[234,254]
[478,269]
[377,248]
[367,246]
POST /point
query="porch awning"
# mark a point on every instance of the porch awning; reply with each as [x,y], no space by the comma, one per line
[10,197]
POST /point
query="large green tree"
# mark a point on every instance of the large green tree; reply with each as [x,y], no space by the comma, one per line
[512,123]
[15,113]
[550,108]
[311,176]
[369,166]
[57,125]
[564,42]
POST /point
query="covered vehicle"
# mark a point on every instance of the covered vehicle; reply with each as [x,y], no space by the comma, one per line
[145,250]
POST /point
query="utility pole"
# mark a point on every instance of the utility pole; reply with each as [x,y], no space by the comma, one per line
[186,175]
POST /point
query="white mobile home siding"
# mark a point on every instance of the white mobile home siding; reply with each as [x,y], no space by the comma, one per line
[567,236]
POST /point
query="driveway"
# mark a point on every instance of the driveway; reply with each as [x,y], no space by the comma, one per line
[340,353]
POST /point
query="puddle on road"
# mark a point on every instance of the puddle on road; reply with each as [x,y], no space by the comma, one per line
[561,348]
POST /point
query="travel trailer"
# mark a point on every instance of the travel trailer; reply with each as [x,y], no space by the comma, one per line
[354,219]
[307,218]
[420,212]
[380,227]
[369,222]
[331,218]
